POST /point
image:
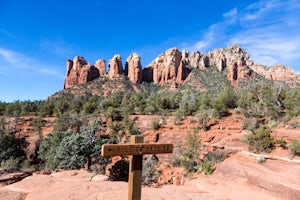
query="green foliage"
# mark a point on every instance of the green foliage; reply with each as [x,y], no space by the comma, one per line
[155,123]
[190,155]
[260,141]
[69,150]
[207,167]
[150,173]
[115,133]
[282,143]
[250,123]
[12,148]
[216,156]
[262,99]
[295,147]
[227,99]
[129,126]
[204,116]
[189,103]
[210,78]
[292,103]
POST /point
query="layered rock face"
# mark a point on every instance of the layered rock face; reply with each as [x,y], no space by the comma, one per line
[170,65]
[234,58]
[276,72]
[101,66]
[133,68]
[79,72]
[174,66]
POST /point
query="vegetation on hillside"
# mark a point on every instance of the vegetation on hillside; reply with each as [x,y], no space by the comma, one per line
[77,137]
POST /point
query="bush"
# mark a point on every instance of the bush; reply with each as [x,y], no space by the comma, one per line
[150,173]
[250,123]
[282,143]
[11,164]
[190,155]
[204,116]
[11,148]
[260,141]
[207,167]
[295,147]
[155,123]
[216,156]
[260,159]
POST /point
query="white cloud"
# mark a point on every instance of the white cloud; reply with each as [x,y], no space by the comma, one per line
[269,30]
[10,61]
[231,13]
[58,47]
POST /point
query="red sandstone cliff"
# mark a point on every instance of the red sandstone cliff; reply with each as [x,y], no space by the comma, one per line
[174,66]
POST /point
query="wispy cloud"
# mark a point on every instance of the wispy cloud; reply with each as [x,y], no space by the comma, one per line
[268,29]
[231,13]
[58,47]
[12,61]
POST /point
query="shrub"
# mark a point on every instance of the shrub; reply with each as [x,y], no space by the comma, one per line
[11,164]
[190,155]
[150,173]
[216,156]
[282,143]
[295,147]
[204,116]
[155,123]
[207,167]
[11,148]
[260,159]
[250,123]
[260,141]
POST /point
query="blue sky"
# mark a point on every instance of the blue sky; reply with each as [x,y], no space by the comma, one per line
[37,37]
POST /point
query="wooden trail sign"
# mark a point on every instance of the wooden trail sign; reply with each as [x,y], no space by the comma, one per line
[135,150]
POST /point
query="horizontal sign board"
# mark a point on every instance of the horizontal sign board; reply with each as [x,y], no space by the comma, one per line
[135,149]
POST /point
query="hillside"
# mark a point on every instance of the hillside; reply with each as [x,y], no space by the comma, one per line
[235,126]
[239,176]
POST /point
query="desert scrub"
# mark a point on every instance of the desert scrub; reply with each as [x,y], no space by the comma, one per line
[282,143]
[260,141]
[207,167]
[216,156]
[190,152]
[155,125]
[150,173]
[295,147]
[260,159]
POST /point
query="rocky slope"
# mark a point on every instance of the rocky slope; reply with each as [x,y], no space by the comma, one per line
[175,66]
[238,177]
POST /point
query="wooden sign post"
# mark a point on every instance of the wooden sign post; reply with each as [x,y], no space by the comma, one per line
[136,149]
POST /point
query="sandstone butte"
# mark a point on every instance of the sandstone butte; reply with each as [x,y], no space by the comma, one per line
[174,65]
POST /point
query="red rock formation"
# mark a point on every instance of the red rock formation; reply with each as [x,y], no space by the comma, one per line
[79,72]
[165,67]
[174,66]
[276,72]
[101,66]
[115,67]
[133,68]
[183,71]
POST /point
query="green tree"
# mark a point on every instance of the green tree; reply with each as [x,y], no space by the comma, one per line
[11,147]
[191,152]
[260,141]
